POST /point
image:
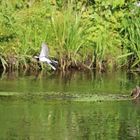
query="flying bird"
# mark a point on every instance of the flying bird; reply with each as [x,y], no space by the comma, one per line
[44,57]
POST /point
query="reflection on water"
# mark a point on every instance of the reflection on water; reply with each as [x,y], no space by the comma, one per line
[40,119]
[69,120]
[83,82]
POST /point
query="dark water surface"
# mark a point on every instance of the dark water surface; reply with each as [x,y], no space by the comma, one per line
[41,119]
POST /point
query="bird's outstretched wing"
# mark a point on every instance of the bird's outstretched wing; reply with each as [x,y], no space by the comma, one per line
[44,51]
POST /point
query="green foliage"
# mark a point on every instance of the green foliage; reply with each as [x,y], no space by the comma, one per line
[68,33]
[85,32]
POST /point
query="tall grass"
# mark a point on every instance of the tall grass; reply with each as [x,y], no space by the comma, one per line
[104,37]
[69,36]
[131,38]
[78,33]
[29,31]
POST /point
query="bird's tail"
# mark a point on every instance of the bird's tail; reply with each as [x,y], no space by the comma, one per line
[52,66]
[51,63]
[54,61]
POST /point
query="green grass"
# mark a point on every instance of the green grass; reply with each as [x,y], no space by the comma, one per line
[68,34]
[78,33]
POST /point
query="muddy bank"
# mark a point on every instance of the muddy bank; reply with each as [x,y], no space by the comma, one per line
[12,62]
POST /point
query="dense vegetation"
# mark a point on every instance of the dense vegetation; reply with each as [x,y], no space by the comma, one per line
[101,34]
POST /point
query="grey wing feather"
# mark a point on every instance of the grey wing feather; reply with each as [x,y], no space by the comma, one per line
[44,50]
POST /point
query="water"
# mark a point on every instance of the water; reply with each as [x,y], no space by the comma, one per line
[109,83]
[41,119]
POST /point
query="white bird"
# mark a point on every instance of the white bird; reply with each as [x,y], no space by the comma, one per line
[44,57]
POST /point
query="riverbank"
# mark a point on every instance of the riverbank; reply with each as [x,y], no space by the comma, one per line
[100,35]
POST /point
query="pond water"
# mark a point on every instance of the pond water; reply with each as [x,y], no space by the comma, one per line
[63,119]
